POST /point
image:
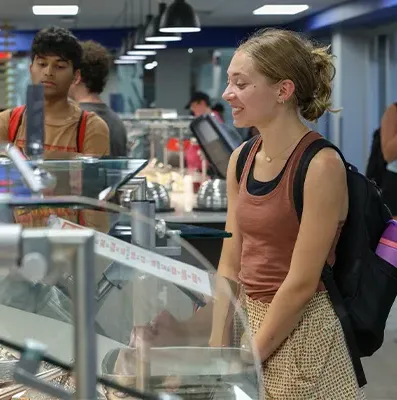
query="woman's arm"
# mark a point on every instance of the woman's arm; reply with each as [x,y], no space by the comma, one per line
[229,264]
[388,133]
[326,203]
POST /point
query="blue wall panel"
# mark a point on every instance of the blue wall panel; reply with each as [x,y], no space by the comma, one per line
[112,38]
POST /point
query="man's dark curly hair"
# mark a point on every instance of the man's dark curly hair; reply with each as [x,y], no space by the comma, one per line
[59,42]
[95,66]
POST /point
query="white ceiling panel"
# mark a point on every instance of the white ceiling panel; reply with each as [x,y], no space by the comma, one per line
[118,13]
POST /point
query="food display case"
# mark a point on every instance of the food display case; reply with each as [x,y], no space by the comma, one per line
[96,301]
[154,137]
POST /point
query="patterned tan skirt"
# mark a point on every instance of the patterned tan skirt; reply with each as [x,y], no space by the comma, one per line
[313,363]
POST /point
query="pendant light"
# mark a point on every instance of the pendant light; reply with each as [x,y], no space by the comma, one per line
[140,38]
[150,46]
[127,42]
[140,30]
[180,17]
[142,52]
[153,33]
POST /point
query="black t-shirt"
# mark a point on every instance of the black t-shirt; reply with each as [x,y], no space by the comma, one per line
[117,130]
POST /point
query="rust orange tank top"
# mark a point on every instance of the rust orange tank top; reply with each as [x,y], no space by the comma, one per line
[269,228]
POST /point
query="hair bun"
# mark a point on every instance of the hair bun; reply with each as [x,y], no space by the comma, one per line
[324,69]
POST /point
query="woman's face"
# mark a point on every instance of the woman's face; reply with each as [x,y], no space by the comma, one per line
[254,100]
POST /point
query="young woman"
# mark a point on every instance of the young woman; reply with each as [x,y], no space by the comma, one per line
[275,78]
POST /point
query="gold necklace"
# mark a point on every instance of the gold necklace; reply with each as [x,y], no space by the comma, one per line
[270,159]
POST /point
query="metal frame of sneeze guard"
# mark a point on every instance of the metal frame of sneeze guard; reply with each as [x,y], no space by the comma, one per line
[133,196]
[143,234]
[28,251]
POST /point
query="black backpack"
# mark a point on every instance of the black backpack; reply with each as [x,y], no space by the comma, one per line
[376,166]
[362,286]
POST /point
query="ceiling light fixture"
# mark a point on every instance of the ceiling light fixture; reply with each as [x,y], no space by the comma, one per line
[153,33]
[150,46]
[55,10]
[139,35]
[136,58]
[126,62]
[281,9]
[152,65]
[180,17]
[142,53]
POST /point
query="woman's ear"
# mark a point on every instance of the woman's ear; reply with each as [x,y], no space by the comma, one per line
[286,90]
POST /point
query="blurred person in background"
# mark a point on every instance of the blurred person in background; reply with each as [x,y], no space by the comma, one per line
[86,90]
[200,104]
[56,56]
[245,133]
[388,142]
[56,60]
[220,109]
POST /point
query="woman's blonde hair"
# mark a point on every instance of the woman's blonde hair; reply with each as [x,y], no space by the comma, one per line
[281,54]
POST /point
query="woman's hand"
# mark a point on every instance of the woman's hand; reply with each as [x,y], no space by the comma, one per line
[164,330]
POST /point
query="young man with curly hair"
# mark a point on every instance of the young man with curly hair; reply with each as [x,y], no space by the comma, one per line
[56,60]
[95,67]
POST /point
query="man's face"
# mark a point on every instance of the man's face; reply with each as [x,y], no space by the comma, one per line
[54,73]
[199,108]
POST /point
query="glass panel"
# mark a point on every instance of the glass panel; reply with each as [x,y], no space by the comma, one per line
[92,178]
[77,176]
[157,324]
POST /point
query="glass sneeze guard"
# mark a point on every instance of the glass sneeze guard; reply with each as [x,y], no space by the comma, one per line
[156,325]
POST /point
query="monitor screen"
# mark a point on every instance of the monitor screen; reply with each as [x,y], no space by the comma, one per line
[217,142]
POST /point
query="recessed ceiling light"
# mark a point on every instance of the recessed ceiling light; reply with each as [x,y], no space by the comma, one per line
[281,9]
[55,10]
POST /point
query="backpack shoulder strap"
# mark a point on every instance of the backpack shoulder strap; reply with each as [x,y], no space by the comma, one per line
[303,166]
[242,157]
[81,128]
[15,122]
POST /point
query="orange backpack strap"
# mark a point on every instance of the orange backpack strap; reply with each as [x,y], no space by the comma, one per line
[15,122]
[80,147]
[81,130]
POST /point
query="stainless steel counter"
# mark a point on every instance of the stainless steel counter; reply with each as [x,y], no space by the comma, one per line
[185,214]
[193,217]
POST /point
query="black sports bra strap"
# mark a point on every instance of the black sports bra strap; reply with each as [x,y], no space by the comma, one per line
[242,157]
